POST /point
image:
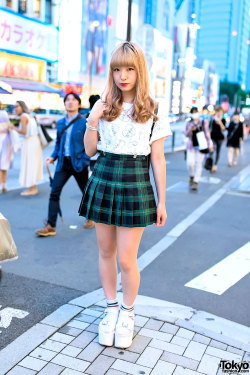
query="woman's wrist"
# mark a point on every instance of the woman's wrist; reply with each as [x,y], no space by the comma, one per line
[92,121]
[161,203]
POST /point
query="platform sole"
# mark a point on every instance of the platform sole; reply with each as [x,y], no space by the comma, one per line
[106,339]
[123,342]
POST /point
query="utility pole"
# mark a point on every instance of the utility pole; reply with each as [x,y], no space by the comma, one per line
[129,20]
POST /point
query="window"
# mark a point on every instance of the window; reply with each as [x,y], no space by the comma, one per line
[48,15]
[166,11]
[22,6]
[9,3]
[37,8]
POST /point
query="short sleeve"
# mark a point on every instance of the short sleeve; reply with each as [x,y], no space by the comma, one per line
[161,127]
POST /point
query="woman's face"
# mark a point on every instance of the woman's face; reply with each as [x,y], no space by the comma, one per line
[125,78]
[236,118]
[219,114]
[18,109]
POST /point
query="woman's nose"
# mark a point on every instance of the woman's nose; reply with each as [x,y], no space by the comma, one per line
[123,75]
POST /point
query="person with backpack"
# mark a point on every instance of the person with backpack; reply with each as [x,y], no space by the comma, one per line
[195,155]
[217,128]
[72,160]
[234,139]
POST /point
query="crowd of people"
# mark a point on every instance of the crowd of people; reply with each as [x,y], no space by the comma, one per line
[205,139]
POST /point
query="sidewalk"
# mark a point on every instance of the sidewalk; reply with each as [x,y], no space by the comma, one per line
[169,339]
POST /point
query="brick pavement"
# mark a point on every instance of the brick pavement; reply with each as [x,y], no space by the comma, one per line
[160,347]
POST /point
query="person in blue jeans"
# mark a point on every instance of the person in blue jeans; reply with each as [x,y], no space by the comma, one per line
[71,160]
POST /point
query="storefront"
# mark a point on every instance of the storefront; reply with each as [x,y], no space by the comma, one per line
[26,48]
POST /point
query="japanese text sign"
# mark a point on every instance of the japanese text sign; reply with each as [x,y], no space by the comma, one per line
[27,37]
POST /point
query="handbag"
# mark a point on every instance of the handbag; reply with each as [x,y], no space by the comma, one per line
[202,141]
[8,250]
[208,163]
[44,136]
[15,141]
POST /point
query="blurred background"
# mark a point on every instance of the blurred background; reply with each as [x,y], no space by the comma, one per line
[198,51]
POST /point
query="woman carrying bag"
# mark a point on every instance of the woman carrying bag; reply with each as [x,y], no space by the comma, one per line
[6,149]
[31,157]
[199,142]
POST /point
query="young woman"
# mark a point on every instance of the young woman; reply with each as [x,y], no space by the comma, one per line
[194,156]
[234,139]
[6,149]
[119,197]
[31,157]
[218,126]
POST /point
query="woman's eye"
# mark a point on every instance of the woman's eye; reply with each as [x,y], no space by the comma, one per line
[116,70]
[130,69]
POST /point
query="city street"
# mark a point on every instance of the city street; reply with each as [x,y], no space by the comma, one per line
[203,228]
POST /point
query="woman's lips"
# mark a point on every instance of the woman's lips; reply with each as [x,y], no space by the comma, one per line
[124,84]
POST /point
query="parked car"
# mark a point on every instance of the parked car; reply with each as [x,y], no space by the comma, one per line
[172,118]
[48,117]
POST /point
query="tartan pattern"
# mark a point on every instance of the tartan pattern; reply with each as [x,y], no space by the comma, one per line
[119,192]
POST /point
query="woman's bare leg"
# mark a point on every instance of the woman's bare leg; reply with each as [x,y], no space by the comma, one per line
[106,238]
[128,240]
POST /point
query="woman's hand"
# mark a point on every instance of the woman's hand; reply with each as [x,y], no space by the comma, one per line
[11,126]
[97,112]
[161,215]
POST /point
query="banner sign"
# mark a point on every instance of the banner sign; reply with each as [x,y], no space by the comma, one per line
[24,36]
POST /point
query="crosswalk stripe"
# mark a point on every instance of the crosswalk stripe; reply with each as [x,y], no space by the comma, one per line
[224,274]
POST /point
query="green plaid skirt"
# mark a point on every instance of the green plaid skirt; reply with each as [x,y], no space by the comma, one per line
[119,192]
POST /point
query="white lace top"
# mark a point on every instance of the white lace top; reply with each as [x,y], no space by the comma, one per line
[124,136]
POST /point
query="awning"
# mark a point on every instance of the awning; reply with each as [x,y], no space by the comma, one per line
[5,88]
[26,85]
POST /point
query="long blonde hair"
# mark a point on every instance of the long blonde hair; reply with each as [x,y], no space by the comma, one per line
[131,55]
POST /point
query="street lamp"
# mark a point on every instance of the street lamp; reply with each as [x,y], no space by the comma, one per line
[129,20]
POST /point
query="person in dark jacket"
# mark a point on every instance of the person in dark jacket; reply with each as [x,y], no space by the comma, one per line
[92,100]
[234,139]
[217,128]
[72,160]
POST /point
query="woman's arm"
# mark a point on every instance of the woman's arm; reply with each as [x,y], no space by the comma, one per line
[158,163]
[24,122]
[91,136]
[188,130]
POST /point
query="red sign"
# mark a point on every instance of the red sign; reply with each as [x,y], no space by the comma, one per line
[71,87]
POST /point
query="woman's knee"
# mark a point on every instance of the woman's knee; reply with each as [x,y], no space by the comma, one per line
[126,263]
[107,250]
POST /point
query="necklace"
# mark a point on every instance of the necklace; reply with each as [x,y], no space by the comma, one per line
[126,114]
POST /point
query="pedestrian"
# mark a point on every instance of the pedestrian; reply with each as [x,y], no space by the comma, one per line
[247,125]
[6,149]
[195,157]
[92,100]
[218,126]
[234,139]
[72,160]
[119,196]
[31,170]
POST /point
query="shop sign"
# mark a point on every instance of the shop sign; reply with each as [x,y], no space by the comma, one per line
[24,36]
[72,87]
[22,67]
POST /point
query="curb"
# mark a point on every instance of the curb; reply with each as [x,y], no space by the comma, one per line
[201,322]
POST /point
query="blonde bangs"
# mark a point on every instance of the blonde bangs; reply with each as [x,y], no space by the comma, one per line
[122,56]
[130,54]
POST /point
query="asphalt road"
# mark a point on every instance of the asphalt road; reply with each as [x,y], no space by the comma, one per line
[52,271]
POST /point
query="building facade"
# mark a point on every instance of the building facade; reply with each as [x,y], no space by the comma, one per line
[223,36]
[29,51]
